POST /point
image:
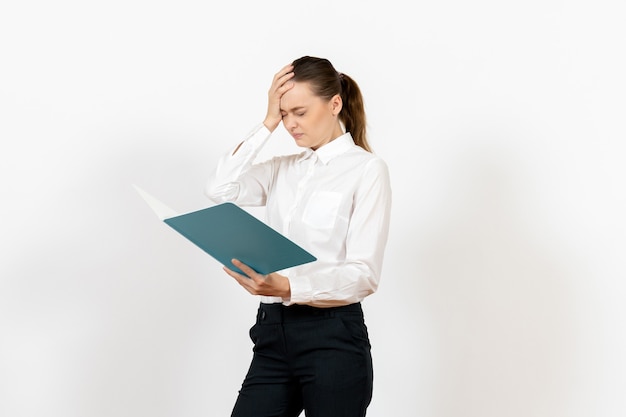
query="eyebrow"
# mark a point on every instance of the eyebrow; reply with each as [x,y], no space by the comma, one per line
[293,109]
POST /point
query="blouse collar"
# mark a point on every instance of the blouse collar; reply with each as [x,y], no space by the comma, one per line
[331,150]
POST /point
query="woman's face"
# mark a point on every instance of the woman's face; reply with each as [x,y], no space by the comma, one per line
[311,120]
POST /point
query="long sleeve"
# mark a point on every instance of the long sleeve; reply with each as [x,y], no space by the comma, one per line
[228,182]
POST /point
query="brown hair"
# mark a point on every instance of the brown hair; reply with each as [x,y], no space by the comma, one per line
[326,82]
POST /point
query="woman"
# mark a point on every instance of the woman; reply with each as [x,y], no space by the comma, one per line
[311,348]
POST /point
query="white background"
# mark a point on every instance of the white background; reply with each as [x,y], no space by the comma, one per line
[503,127]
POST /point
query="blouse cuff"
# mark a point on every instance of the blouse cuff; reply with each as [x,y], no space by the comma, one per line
[301,291]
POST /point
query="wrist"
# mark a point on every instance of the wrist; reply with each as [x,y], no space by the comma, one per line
[284,287]
[271,123]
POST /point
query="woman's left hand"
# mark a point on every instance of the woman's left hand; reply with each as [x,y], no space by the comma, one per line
[273,285]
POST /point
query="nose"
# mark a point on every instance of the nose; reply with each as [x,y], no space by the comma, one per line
[290,123]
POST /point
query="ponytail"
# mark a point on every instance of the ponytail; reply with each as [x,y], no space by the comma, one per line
[353,112]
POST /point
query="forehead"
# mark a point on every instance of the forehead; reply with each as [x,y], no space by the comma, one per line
[300,95]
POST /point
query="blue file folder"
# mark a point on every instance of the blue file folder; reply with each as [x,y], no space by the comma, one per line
[226,231]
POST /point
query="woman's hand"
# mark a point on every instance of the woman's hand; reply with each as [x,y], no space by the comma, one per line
[280,85]
[273,285]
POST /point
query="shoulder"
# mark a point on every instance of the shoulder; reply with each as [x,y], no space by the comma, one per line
[369,160]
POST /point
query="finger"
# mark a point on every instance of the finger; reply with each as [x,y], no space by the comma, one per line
[282,85]
[255,281]
[245,268]
[286,76]
[284,70]
[282,73]
[285,87]
[247,283]
[282,77]
[234,274]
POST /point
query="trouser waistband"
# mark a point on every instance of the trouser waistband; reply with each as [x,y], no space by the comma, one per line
[279,313]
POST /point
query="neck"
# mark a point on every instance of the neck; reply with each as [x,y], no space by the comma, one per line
[337,131]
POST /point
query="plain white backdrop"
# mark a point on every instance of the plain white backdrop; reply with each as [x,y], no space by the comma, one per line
[502,124]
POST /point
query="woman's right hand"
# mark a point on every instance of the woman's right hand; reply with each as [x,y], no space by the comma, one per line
[280,85]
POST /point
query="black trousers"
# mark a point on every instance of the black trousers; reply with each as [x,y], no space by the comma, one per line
[306,358]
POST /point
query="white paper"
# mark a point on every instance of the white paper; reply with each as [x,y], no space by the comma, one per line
[162,211]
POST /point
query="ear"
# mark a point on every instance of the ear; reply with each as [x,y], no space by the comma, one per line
[336,104]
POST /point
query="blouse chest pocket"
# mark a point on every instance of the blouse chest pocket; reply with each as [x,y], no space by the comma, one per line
[322,209]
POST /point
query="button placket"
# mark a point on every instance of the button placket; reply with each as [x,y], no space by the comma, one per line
[300,190]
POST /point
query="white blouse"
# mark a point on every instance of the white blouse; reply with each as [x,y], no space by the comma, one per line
[335,202]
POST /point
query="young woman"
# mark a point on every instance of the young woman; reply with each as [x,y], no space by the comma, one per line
[311,347]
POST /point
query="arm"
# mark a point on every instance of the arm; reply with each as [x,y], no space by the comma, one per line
[228,182]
